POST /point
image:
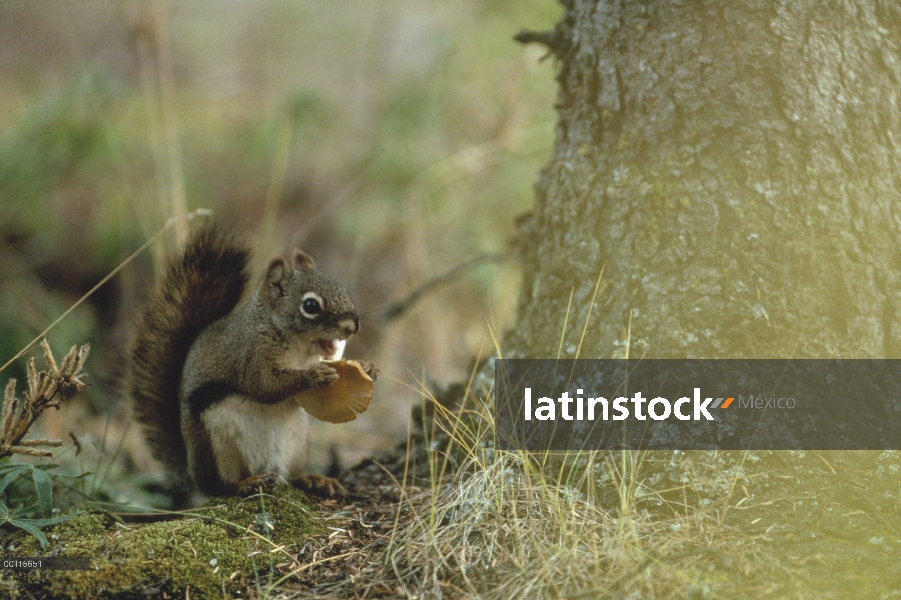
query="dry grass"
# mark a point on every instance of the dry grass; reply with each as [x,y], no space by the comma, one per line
[493,524]
[46,389]
[503,529]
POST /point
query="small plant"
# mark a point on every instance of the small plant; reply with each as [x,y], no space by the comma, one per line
[46,389]
[32,526]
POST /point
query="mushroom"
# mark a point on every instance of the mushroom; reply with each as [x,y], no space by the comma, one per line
[343,400]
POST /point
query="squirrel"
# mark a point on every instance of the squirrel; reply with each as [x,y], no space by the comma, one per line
[213,384]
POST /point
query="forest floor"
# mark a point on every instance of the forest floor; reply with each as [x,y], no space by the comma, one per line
[776,525]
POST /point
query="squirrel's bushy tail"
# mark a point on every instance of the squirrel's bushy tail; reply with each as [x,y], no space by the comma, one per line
[202,284]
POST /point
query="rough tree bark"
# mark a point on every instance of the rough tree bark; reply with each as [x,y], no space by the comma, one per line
[737,168]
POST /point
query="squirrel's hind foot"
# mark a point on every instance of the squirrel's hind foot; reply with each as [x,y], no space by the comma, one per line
[320,485]
[257,483]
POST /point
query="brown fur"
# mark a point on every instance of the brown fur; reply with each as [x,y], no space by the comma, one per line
[201,285]
[204,373]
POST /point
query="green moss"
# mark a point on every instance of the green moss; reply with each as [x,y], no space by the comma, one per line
[210,552]
[287,511]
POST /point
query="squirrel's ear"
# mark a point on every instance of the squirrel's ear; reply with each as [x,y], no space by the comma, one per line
[277,277]
[303,260]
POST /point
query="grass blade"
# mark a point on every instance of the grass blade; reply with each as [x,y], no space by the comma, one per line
[43,485]
[48,522]
[11,476]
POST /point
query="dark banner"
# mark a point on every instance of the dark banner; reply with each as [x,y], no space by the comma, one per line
[44,563]
[698,404]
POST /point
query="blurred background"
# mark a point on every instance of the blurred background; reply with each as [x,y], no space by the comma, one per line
[391,140]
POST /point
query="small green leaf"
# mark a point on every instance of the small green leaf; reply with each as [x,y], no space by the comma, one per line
[11,476]
[30,528]
[44,487]
[48,522]
[4,511]
[24,510]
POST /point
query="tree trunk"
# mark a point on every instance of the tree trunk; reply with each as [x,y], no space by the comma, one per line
[733,167]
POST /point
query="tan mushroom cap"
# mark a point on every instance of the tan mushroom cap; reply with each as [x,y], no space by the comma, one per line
[343,400]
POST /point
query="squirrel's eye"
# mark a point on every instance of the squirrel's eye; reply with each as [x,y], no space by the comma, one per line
[311,305]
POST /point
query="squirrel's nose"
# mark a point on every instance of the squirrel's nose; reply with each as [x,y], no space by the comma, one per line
[349,326]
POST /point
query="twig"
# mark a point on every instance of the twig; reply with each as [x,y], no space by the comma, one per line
[398,308]
[172,221]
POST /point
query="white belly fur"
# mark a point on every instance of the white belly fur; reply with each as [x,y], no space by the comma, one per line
[252,438]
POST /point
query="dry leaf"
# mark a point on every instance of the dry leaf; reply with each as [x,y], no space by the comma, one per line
[343,400]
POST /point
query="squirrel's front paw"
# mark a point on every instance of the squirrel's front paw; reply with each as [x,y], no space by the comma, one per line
[370,369]
[322,374]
